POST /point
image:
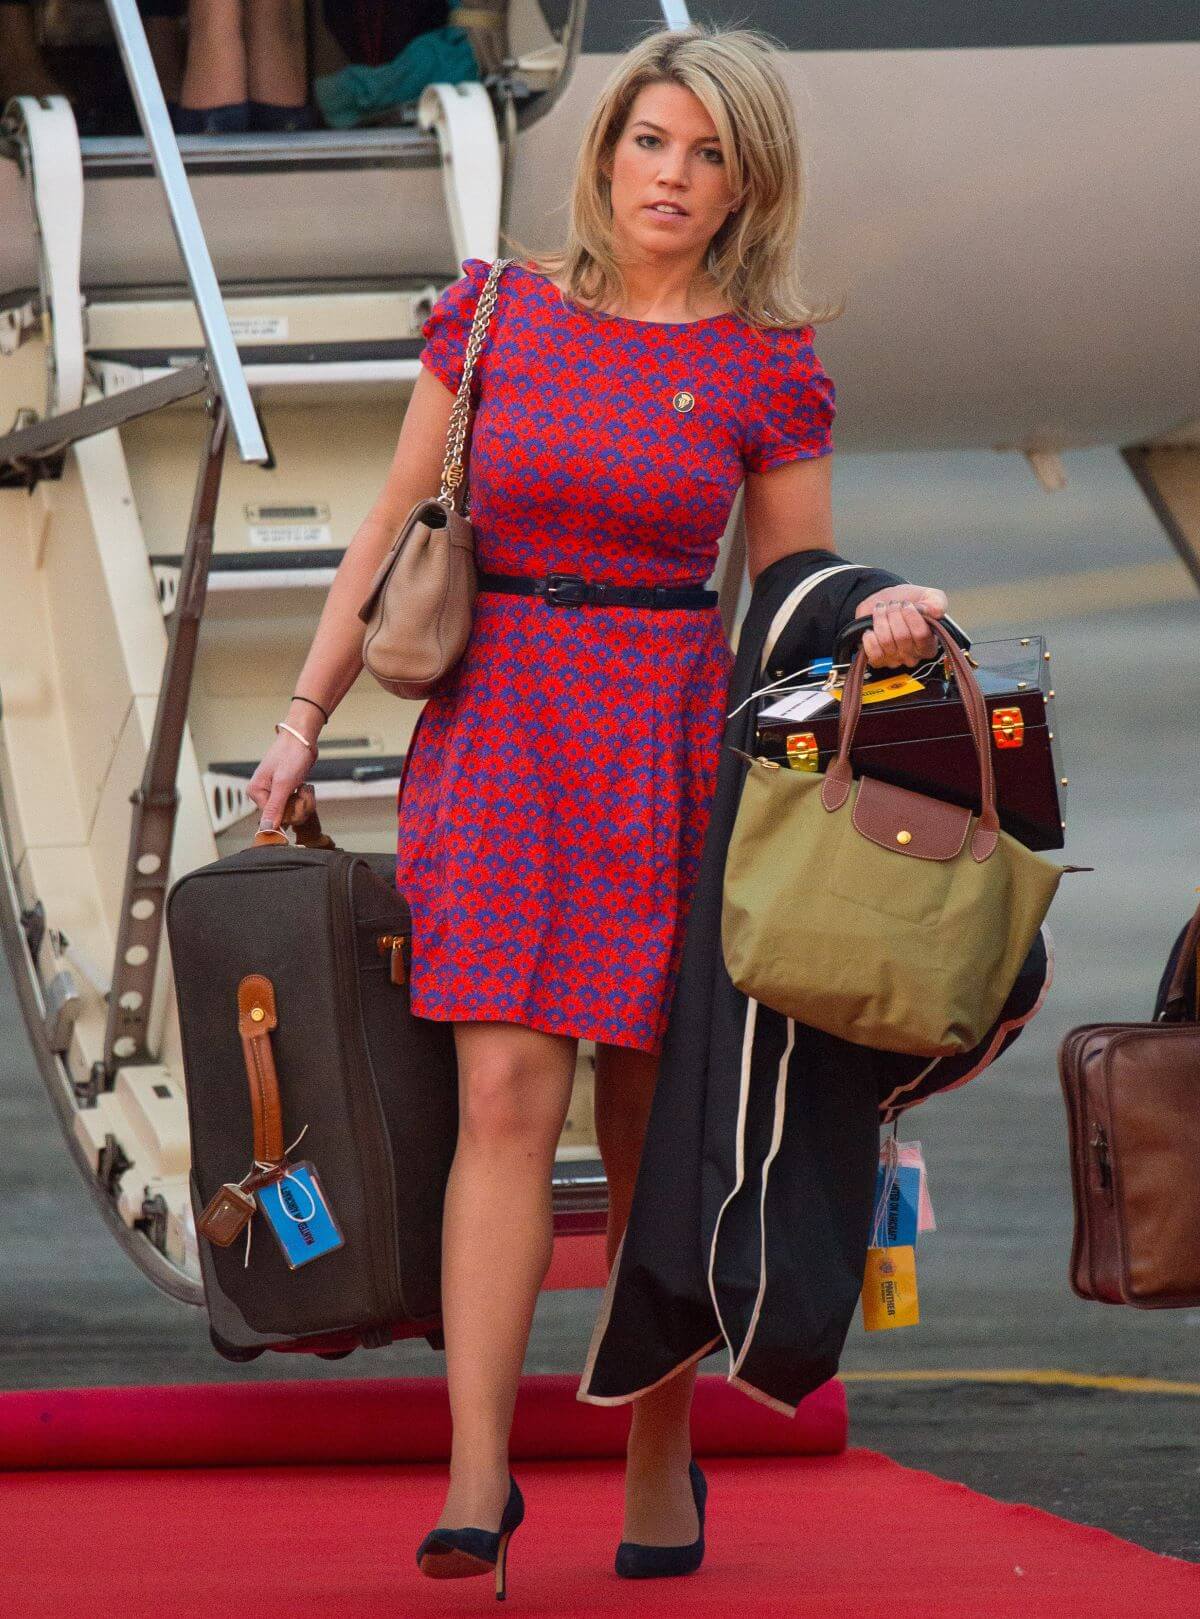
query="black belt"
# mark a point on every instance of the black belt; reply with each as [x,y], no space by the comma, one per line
[572,590]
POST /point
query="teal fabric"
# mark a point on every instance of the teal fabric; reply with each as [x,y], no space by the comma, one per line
[352,95]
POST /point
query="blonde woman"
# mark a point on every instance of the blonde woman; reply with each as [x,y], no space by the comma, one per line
[557,790]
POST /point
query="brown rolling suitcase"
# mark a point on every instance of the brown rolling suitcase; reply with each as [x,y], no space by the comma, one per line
[1132,1093]
[299,1045]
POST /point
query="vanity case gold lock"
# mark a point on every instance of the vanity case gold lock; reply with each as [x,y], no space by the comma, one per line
[1008,727]
[801,749]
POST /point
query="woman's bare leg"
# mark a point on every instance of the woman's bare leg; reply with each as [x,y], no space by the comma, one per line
[22,71]
[165,39]
[660,1509]
[275,52]
[514,1089]
[215,75]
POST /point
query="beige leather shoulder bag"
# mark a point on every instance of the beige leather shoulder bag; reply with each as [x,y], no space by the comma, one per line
[418,610]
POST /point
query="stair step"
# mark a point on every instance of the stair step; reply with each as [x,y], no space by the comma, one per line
[580,1195]
[231,572]
[352,770]
[267,354]
[396,147]
[354,776]
[114,376]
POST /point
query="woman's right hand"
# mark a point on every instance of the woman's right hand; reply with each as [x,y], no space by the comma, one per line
[284,766]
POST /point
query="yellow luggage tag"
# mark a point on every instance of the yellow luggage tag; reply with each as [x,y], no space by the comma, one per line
[879,691]
[889,1296]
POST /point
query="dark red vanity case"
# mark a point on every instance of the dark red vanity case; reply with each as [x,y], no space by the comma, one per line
[921,741]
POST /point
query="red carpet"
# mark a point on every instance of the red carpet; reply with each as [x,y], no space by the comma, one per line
[403,1419]
[848,1536]
[577,1262]
[797,1536]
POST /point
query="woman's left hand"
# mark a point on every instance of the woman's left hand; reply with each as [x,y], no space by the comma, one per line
[899,636]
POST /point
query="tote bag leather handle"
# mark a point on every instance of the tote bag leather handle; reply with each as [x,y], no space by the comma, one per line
[839,777]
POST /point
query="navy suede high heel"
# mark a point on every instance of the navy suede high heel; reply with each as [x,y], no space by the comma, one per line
[453,1554]
[637,1562]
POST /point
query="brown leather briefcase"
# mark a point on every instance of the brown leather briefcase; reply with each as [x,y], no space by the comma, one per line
[1132,1092]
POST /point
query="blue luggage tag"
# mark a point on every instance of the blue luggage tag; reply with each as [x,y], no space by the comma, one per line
[897,1223]
[299,1215]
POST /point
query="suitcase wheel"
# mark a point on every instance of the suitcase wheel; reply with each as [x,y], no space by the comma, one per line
[232,1351]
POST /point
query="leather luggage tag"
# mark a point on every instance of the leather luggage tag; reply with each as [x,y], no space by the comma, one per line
[225,1217]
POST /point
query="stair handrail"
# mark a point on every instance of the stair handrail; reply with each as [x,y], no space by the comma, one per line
[185,222]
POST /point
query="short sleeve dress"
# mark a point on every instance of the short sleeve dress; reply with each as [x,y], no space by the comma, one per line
[557,788]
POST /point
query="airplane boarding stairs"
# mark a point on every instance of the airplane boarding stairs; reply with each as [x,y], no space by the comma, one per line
[112,395]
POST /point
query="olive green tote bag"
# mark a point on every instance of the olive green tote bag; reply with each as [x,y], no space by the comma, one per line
[877,914]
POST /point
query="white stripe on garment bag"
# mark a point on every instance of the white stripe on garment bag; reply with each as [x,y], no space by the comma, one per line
[784,1409]
[792,601]
[776,1138]
[743,1094]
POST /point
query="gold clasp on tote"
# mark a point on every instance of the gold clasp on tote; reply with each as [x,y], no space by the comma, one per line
[753,758]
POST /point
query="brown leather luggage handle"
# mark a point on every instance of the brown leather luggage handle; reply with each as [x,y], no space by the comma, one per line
[300,813]
[839,777]
[256,1019]
[231,1208]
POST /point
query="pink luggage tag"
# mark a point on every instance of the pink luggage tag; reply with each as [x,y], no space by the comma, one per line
[911,1154]
[908,1155]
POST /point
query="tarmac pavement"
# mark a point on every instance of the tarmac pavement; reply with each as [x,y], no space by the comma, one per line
[993,1277]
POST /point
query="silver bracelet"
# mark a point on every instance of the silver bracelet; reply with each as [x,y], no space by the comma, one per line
[282,725]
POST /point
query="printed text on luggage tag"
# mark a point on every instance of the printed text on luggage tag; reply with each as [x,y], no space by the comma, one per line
[889,1291]
[896,1212]
[889,1295]
[299,1215]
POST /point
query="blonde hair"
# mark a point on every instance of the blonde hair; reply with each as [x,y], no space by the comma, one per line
[752,256]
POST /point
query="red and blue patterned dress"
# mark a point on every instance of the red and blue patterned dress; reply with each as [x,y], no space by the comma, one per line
[558,785]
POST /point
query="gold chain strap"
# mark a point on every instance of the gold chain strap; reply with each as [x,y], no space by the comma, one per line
[452,467]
